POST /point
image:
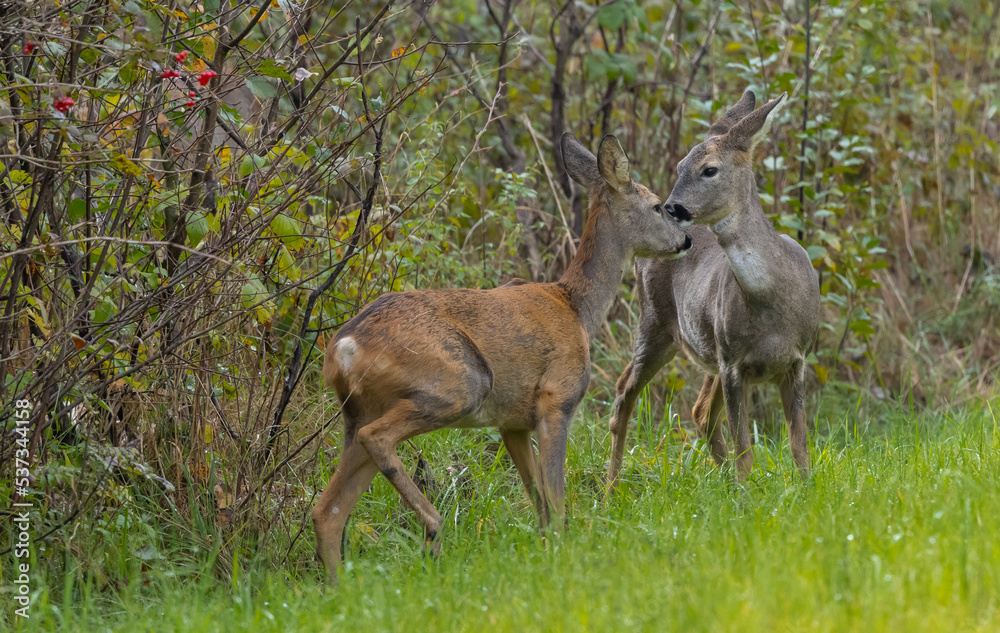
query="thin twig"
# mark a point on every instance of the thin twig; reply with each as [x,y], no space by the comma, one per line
[805,126]
[548,176]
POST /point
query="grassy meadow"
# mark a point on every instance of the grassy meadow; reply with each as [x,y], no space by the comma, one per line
[895,530]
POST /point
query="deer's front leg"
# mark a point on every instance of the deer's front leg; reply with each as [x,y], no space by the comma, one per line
[793,394]
[650,356]
[732,389]
[707,412]
[518,444]
[553,434]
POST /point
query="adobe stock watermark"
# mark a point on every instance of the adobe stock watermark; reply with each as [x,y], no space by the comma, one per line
[21,505]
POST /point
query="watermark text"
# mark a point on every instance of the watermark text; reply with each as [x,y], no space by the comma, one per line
[22,504]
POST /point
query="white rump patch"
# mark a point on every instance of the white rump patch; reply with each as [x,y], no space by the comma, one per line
[347,347]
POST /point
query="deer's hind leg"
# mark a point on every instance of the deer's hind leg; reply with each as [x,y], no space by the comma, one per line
[793,400]
[381,439]
[354,474]
[707,413]
[651,353]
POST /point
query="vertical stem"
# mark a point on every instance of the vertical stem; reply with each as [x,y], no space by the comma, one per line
[937,128]
[805,124]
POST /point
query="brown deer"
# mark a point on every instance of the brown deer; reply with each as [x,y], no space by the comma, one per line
[744,304]
[515,357]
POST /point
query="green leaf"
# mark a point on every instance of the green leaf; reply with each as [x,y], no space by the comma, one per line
[155,26]
[253,292]
[251,162]
[262,88]
[815,252]
[211,5]
[104,311]
[612,16]
[288,230]
[271,69]
[286,265]
[54,49]
[197,227]
[214,225]
[128,73]
[77,209]
[89,55]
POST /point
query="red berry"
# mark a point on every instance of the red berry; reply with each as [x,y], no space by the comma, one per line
[63,104]
[206,77]
[29,47]
[190,104]
[167,74]
[180,57]
[192,94]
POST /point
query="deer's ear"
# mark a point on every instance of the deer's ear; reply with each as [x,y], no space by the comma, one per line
[754,126]
[613,163]
[742,108]
[580,164]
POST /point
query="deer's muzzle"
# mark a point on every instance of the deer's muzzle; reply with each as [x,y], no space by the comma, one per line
[678,212]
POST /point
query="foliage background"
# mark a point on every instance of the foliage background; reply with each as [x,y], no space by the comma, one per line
[176,252]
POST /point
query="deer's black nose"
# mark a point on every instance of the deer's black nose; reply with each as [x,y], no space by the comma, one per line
[687,244]
[678,212]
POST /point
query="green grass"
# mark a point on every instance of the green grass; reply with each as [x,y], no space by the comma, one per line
[896,530]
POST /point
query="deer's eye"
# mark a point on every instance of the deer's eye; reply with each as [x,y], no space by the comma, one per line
[708,172]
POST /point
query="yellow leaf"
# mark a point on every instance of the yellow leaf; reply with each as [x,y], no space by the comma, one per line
[366,530]
[195,65]
[733,46]
[822,373]
[208,47]
[126,165]
[180,14]
[303,39]
[40,322]
[208,433]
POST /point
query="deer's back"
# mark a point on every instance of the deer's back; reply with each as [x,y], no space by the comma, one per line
[489,350]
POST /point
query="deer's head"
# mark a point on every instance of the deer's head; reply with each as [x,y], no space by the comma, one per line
[716,178]
[636,213]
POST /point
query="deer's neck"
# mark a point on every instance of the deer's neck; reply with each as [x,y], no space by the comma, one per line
[752,247]
[594,275]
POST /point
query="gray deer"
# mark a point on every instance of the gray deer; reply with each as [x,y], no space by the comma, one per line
[744,304]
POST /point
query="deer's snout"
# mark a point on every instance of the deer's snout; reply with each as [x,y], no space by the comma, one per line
[686,245]
[678,212]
